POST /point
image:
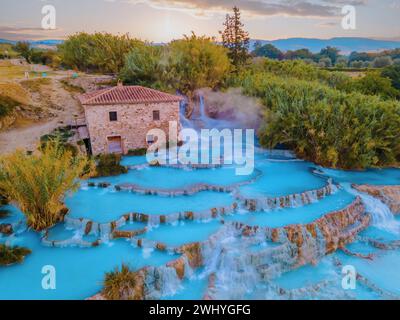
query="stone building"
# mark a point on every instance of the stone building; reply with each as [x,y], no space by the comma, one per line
[119,118]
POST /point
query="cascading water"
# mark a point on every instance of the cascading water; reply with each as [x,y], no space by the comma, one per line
[382,216]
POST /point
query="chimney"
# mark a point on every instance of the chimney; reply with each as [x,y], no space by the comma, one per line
[119,83]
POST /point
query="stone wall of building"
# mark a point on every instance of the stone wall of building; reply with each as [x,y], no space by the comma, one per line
[134,122]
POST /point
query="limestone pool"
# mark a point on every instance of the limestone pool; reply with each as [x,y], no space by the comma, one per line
[80,267]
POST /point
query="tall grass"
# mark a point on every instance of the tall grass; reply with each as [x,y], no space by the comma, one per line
[39,182]
[327,126]
[120,284]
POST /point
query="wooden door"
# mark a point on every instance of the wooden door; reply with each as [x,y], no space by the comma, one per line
[115,144]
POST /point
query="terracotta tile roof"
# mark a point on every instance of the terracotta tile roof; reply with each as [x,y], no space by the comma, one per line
[127,95]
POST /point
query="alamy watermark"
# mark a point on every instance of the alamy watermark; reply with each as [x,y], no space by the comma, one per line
[49,280]
[49,17]
[349,17]
[209,146]
[349,280]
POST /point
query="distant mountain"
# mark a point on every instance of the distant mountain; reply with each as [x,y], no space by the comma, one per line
[37,43]
[345,44]
[7,41]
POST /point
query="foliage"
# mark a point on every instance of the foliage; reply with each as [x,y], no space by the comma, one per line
[302,71]
[98,52]
[46,57]
[299,54]
[331,53]
[71,87]
[371,84]
[381,62]
[235,38]
[119,284]
[146,65]
[393,73]
[196,62]
[38,182]
[7,51]
[24,49]
[325,62]
[109,165]
[374,84]
[185,65]
[3,200]
[327,126]
[7,106]
[268,51]
[137,152]
[11,255]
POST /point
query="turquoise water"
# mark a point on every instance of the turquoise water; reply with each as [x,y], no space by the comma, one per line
[80,271]
[288,216]
[106,205]
[372,176]
[182,233]
[171,178]
[283,178]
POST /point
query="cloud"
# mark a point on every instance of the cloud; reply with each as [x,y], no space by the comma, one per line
[255,8]
[32,33]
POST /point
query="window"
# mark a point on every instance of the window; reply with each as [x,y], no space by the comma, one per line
[113,116]
[150,139]
[156,115]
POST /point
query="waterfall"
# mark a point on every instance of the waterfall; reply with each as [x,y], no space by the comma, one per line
[382,216]
[202,110]
[224,256]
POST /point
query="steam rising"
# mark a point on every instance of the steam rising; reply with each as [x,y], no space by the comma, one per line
[233,106]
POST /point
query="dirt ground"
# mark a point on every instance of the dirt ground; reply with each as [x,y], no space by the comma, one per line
[58,105]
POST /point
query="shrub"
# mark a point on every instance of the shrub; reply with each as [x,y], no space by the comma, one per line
[11,255]
[393,73]
[98,52]
[381,62]
[137,152]
[38,182]
[7,106]
[109,165]
[324,125]
[120,284]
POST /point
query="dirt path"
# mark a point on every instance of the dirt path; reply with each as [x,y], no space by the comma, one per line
[27,137]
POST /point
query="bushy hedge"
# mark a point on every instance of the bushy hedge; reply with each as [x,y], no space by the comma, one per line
[327,126]
[109,165]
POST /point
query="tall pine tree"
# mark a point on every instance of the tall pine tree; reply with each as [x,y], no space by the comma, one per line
[235,38]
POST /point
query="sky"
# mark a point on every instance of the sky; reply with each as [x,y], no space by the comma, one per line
[164,20]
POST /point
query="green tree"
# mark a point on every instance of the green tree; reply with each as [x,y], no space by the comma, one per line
[146,65]
[196,62]
[236,39]
[301,54]
[268,51]
[341,62]
[331,53]
[99,52]
[381,62]
[325,62]
[24,49]
[393,73]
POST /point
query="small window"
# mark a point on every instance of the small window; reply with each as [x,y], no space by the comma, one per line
[150,139]
[113,116]
[156,115]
